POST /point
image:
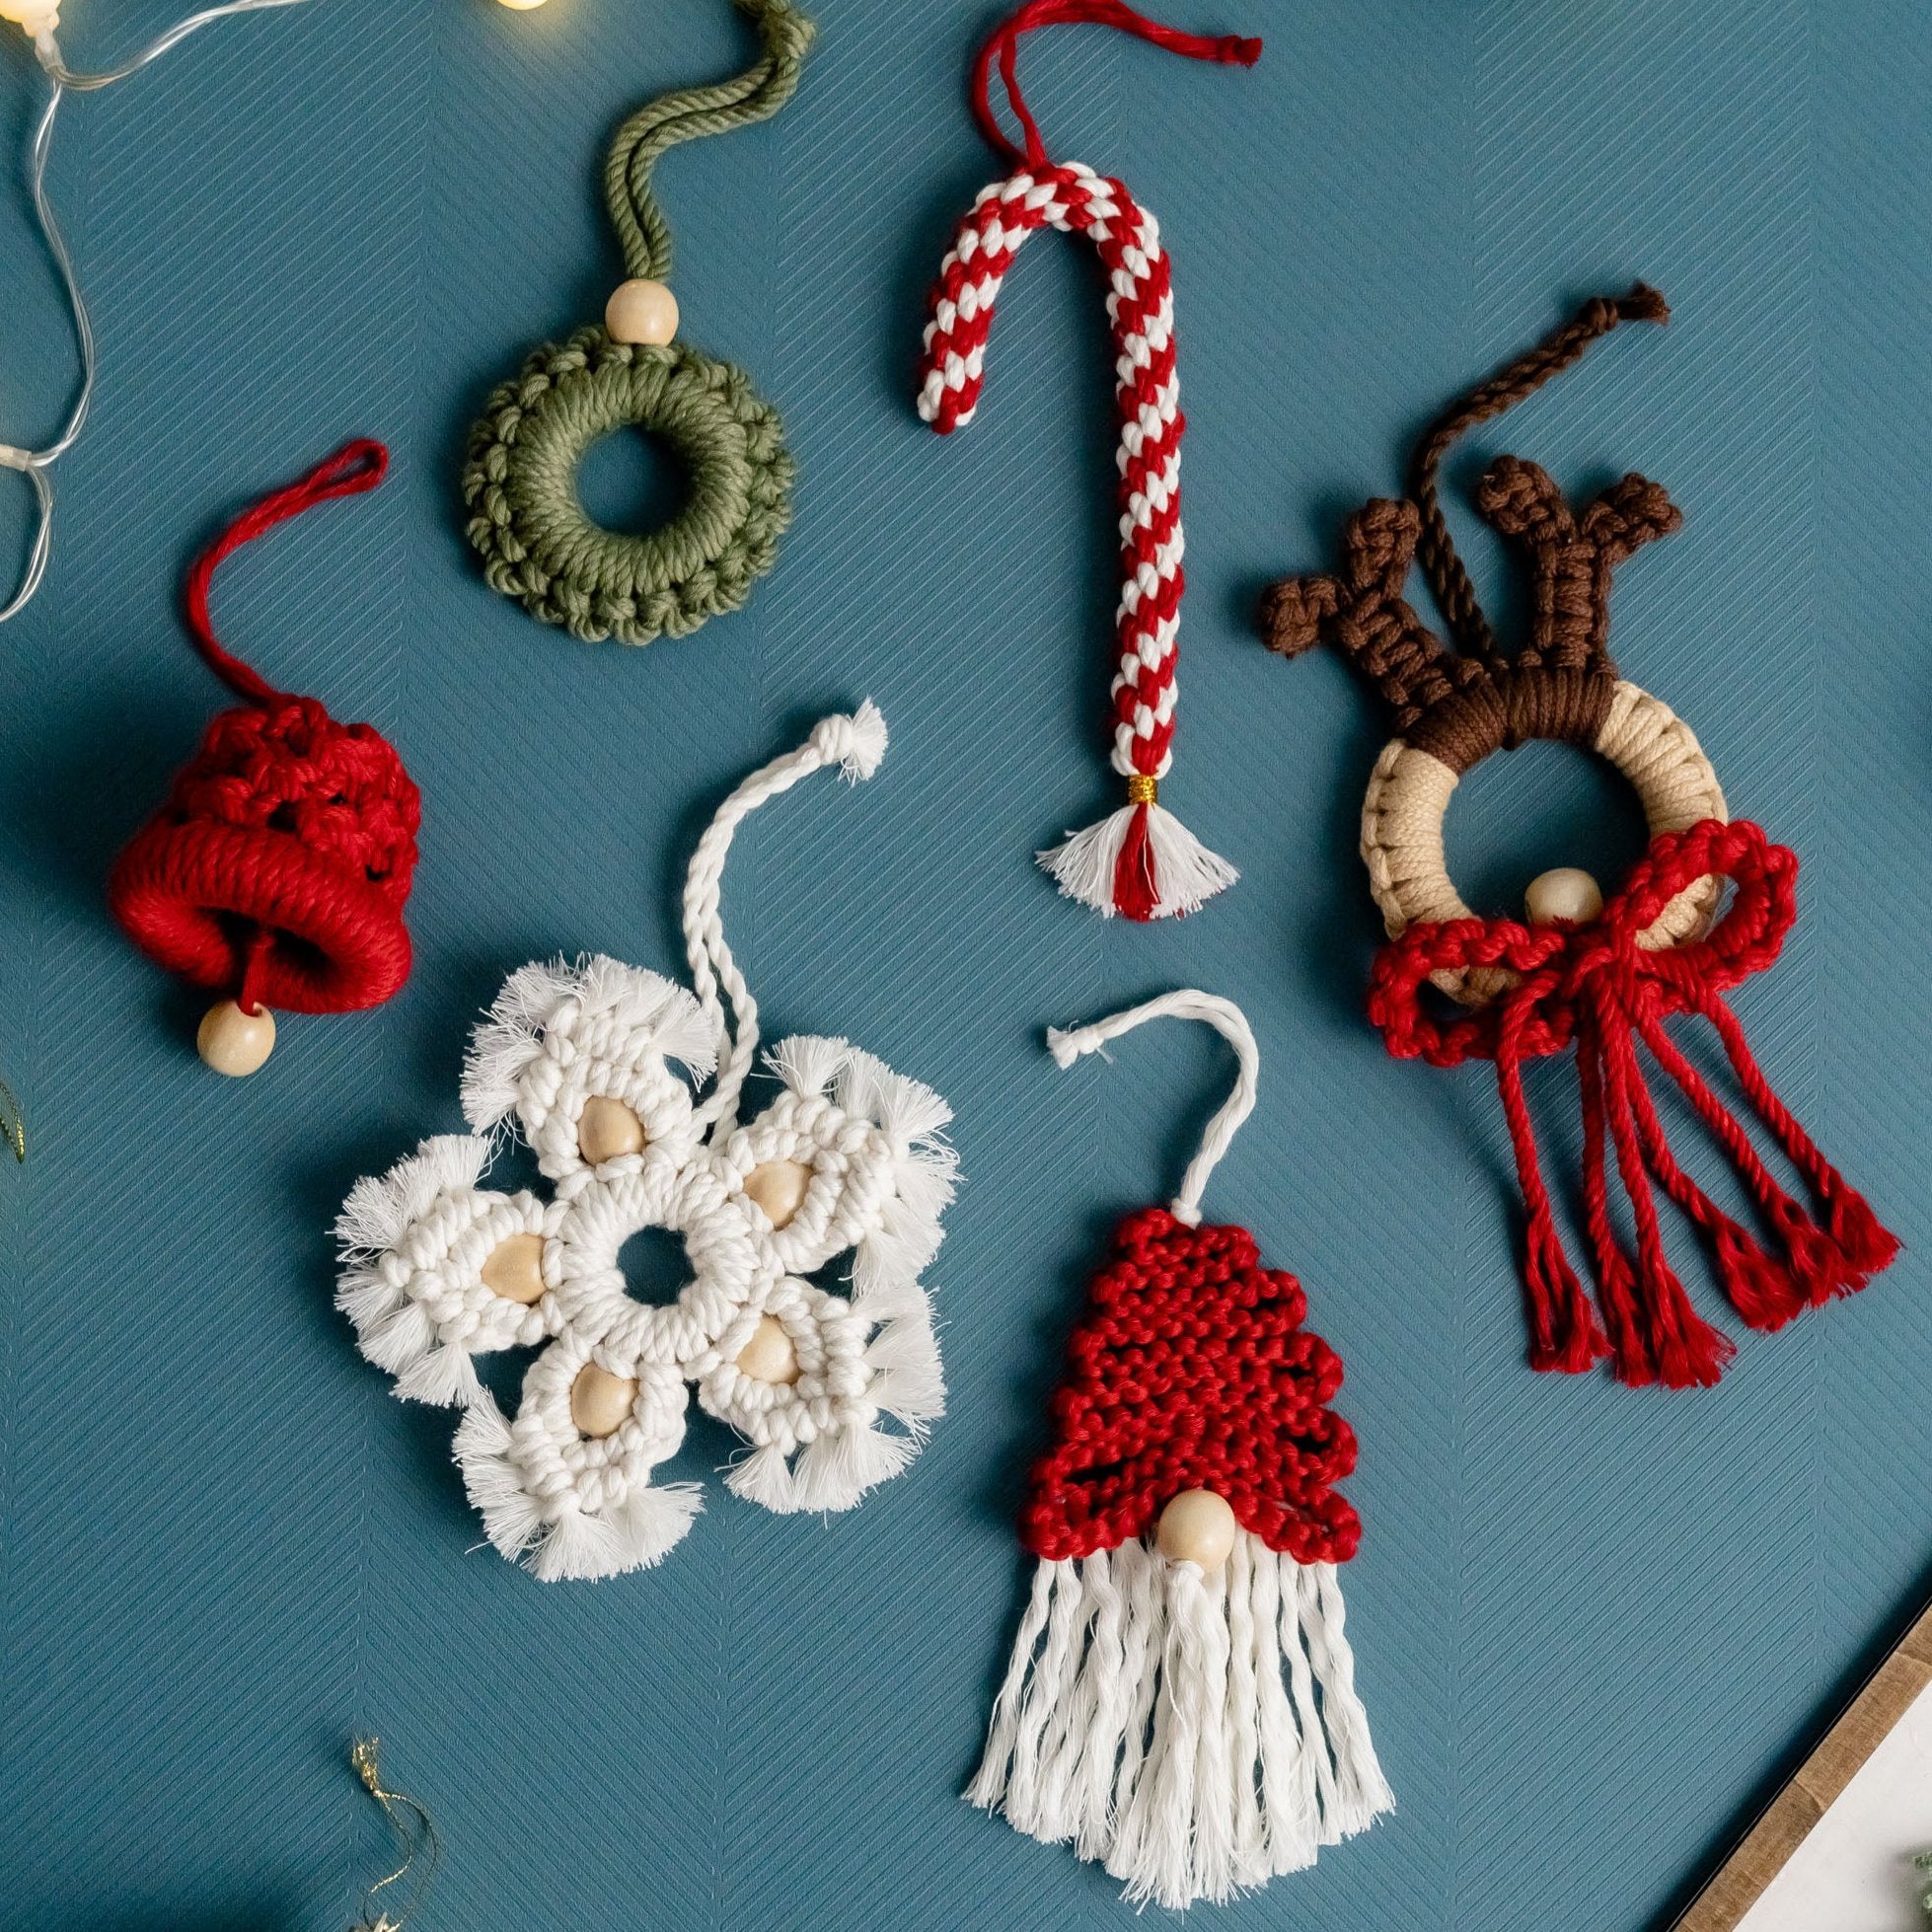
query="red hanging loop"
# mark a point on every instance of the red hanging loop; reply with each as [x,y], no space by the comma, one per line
[355,468]
[1002,46]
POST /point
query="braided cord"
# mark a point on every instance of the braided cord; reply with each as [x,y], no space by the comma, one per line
[1456,595]
[688,114]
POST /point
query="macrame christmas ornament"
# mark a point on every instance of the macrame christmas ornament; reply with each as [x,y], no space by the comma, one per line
[1140,861]
[846,1168]
[526,519]
[1181,1701]
[278,869]
[38,19]
[1707,906]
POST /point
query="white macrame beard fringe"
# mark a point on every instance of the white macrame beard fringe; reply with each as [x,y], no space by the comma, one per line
[1196,1732]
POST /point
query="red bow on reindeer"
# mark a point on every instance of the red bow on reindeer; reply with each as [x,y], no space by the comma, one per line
[1601,987]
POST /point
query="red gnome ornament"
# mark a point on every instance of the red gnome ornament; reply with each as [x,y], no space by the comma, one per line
[278,869]
[1140,861]
[1182,1700]
[1708,906]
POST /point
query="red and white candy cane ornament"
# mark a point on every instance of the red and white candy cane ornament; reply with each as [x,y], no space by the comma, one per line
[1140,861]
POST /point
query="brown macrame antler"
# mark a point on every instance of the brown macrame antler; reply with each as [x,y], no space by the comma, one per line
[1460,705]
[1363,615]
[1571,556]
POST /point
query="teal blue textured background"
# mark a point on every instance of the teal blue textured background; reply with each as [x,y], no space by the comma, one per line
[1592,1624]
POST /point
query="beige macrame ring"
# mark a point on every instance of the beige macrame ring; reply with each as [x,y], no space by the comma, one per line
[1409,795]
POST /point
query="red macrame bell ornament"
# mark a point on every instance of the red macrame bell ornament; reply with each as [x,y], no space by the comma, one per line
[1181,1702]
[278,869]
[1140,861]
[1708,906]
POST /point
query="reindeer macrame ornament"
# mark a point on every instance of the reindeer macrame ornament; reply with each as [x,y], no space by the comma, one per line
[847,1167]
[277,870]
[1140,861]
[1708,905]
[1181,1702]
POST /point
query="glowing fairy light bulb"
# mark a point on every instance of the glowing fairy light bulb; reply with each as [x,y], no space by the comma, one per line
[518,6]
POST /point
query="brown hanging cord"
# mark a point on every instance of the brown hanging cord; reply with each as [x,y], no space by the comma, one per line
[1456,595]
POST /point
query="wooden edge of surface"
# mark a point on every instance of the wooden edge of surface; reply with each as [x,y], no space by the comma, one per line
[1815,1787]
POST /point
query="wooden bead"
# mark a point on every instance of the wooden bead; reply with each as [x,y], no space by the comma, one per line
[233,1042]
[600,1400]
[1565,894]
[779,1187]
[608,1128]
[641,312]
[769,1357]
[515,1269]
[1197,1526]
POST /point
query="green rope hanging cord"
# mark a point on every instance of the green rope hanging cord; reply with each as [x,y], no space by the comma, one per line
[519,479]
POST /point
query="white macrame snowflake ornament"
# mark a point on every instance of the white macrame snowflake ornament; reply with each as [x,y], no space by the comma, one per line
[600,1068]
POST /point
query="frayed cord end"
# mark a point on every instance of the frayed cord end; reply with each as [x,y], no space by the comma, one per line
[856,742]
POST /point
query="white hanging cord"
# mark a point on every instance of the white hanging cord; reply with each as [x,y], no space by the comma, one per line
[1231,1025]
[39,18]
[854,744]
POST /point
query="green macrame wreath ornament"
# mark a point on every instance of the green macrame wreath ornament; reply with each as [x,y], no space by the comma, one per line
[519,476]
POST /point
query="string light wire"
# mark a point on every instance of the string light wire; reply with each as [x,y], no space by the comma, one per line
[36,463]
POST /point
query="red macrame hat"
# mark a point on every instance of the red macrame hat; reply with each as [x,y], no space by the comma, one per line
[278,869]
[1595,974]
[1140,861]
[1180,1704]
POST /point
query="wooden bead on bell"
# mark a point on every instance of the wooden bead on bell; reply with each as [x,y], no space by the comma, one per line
[769,1357]
[600,1400]
[1197,1526]
[233,1042]
[779,1187]
[1566,895]
[515,1269]
[606,1129]
[641,312]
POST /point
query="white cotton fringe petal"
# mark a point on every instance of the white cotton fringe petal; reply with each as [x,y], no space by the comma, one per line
[1186,874]
[1198,1734]
[381,1206]
[556,1545]
[662,1016]
[908,1381]
[808,1063]
[828,1474]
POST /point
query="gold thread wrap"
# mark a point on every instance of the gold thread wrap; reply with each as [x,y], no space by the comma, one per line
[1142,790]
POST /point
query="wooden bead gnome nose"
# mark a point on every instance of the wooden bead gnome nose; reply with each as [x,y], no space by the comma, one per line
[1140,861]
[277,870]
[1181,1697]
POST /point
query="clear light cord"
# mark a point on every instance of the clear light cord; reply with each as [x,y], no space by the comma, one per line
[35,464]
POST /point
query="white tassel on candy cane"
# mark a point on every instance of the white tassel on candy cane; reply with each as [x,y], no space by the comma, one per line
[1167,871]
